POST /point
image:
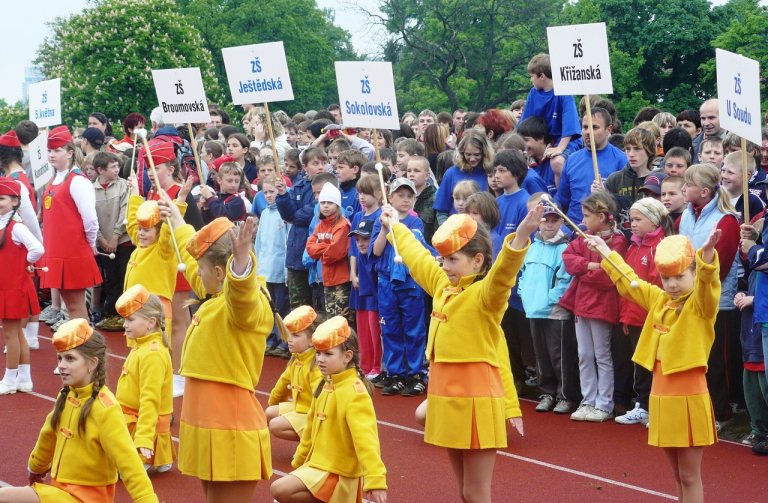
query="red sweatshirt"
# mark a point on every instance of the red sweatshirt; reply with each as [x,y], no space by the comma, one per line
[592,294]
[330,245]
[640,256]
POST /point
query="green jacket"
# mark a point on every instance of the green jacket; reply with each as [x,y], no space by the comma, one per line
[424,208]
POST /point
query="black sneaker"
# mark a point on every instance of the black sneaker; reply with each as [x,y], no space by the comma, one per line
[761,448]
[415,386]
[382,380]
[395,388]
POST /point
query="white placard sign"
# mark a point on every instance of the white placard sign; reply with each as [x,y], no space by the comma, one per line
[45,103]
[181,95]
[738,93]
[38,159]
[579,58]
[258,73]
[367,94]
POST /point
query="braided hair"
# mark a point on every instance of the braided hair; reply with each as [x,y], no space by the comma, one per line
[13,214]
[95,347]
[351,344]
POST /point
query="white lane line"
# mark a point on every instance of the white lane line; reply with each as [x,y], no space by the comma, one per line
[4,484]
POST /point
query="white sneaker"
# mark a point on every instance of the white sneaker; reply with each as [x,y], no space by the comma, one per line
[24,387]
[178,385]
[33,344]
[163,468]
[581,412]
[56,371]
[7,389]
[598,415]
[638,415]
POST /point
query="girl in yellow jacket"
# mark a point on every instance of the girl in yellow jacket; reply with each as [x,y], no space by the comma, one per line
[145,387]
[675,344]
[84,442]
[471,393]
[153,263]
[287,420]
[339,457]
[224,438]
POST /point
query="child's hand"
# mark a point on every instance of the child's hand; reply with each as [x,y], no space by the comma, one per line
[169,210]
[355,282]
[596,244]
[517,422]
[531,222]
[749,232]
[597,186]
[241,246]
[377,496]
[746,245]
[388,216]
[205,192]
[280,185]
[181,198]
[147,453]
[37,477]
[112,245]
[134,183]
[742,300]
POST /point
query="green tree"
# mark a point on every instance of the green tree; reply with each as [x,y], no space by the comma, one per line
[312,42]
[105,57]
[10,115]
[747,35]
[472,53]
[664,41]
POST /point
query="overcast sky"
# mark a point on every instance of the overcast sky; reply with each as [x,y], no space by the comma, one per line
[24,30]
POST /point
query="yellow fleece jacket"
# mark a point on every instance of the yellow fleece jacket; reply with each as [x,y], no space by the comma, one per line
[465,325]
[341,436]
[681,341]
[146,385]
[302,378]
[155,266]
[226,340]
[92,457]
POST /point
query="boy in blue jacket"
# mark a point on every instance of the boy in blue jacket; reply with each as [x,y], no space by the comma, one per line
[401,303]
[542,282]
[298,209]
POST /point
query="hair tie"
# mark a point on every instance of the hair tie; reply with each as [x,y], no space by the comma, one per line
[717,186]
[64,390]
[610,217]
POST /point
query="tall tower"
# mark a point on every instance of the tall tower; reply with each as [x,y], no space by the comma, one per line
[32,74]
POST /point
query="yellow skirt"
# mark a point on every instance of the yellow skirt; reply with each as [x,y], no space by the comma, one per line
[73,493]
[329,487]
[165,451]
[223,434]
[297,420]
[465,406]
[680,410]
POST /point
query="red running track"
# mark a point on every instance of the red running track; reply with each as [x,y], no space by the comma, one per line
[557,460]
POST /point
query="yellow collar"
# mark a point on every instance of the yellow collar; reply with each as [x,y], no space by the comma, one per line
[464,283]
[674,304]
[306,355]
[336,379]
[155,336]
[83,393]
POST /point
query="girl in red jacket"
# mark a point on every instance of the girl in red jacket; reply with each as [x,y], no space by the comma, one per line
[650,223]
[330,245]
[594,300]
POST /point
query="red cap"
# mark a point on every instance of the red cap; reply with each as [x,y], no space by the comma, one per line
[10,139]
[216,165]
[161,150]
[58,137]
[9,187]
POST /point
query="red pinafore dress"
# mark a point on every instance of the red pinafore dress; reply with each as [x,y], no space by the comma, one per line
[18,297]
[182,285]
[68,256]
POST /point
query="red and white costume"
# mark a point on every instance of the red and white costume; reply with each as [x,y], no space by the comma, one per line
[18,297]
[28,208]
[70,226]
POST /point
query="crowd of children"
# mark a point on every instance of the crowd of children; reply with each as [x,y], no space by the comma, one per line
[364,257]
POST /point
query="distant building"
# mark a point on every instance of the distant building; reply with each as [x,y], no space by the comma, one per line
[32,74]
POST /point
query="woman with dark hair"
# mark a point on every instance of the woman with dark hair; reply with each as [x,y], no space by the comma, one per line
[404,132]
[100,121]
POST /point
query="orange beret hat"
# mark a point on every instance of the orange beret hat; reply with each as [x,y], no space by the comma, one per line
[331,334]
[132,300]
[300,319]
[454,234]
[71,334]
[205,237]
[674,254]
[148,215]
